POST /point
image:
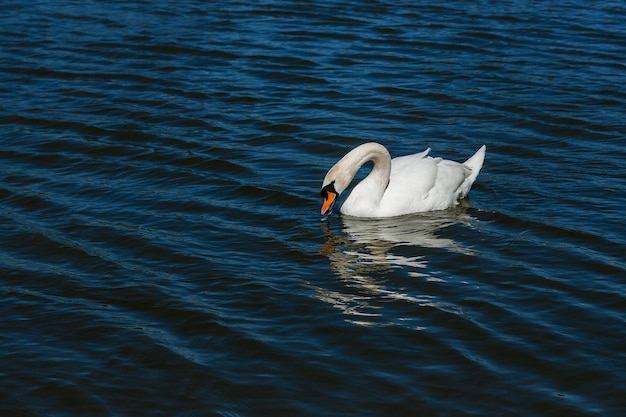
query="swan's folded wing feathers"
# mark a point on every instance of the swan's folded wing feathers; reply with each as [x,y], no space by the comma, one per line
[452,176]
[412,179]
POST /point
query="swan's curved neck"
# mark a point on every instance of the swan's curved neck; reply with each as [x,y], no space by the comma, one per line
[377,180]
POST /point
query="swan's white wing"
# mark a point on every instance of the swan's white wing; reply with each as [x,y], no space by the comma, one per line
[421,183]
[412,175]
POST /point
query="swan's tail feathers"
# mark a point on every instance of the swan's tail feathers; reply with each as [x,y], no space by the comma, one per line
[474,163]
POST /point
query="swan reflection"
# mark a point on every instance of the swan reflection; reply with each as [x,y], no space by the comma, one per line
[368,253]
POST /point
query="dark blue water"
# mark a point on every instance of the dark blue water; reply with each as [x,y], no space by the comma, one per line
[161,251]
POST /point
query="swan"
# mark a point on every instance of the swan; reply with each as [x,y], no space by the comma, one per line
[403,185]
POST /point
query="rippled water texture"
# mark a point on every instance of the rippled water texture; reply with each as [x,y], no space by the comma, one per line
[161,248]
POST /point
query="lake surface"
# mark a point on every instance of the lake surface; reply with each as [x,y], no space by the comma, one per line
[161,249]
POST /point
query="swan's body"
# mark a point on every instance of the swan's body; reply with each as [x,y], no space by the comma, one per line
[403,185]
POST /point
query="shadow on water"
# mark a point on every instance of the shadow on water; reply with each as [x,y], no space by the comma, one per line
[374,258]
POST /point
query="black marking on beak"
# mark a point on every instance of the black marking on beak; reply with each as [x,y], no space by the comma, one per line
[330,188]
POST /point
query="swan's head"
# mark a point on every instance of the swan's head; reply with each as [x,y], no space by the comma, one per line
[335,182]
[329,194]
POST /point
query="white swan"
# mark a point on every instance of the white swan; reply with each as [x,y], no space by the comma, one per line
[403,185]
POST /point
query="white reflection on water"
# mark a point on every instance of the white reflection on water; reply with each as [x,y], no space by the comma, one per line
[368,253]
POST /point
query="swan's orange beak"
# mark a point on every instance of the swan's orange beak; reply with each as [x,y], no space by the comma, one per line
[329,202]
